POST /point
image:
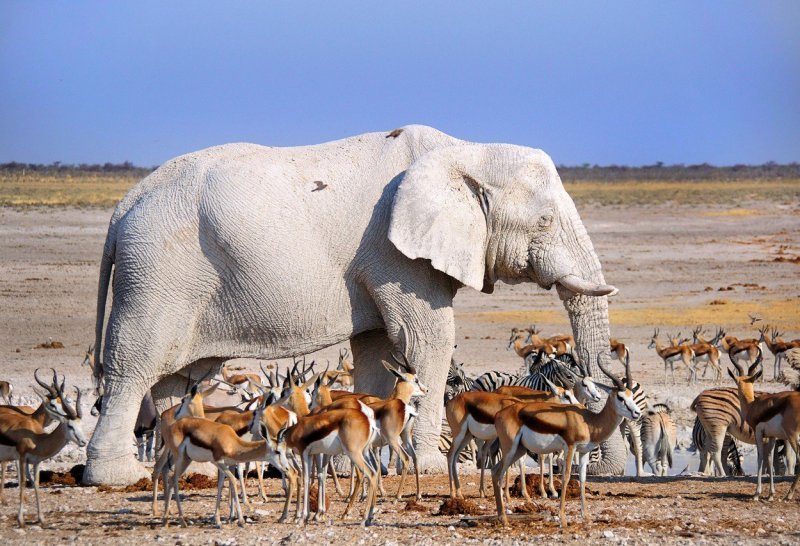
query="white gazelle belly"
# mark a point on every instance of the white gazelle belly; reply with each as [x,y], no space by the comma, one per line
[773,428]
[329,445]
[480,430]
[541,443]
[196,453]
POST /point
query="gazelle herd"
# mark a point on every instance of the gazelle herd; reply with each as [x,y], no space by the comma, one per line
[296,421]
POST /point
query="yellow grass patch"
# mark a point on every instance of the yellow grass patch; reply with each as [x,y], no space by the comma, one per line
[686,192]
[784,314]
[31,190]
[103,190]
[733,212]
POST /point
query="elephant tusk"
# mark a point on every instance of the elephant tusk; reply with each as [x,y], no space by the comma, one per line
[582,286]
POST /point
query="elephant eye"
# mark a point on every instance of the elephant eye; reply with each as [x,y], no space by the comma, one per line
[545,221]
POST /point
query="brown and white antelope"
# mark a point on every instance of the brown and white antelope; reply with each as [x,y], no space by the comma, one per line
[471,415]
[247,381]
[743,351]
[777,347]
[544,427]
[707,352]
[619,351]
[200,440]
[671,354]
[6,390]
[772,416]
[346,431]
[29,447]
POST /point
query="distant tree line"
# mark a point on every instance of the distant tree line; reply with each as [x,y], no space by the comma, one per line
[657,171]
[62,169]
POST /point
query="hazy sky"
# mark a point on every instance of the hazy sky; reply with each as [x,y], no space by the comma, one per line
[597,82]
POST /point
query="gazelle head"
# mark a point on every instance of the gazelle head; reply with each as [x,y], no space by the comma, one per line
[88,358]
[516,334]
[583,385]
[276,447]
[565,396]
[744,381]
[623,401]
[70,419]
[653,340]
[191,404]
[407,378]
[54,403]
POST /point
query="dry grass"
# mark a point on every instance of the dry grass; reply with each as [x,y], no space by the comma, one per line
[684,192]
[88,190]
[782,313]
[737,213]
[104,190]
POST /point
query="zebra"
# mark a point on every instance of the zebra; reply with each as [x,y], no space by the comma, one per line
[457,381]
[659,438]
[730,451]
[718,412]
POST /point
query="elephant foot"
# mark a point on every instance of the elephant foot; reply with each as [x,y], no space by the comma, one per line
[432,462]
[125,470]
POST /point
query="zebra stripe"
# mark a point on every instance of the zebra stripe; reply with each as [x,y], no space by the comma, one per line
[467,454]
[730,452]
[491,381]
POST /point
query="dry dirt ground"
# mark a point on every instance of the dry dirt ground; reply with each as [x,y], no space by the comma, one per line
[675,265]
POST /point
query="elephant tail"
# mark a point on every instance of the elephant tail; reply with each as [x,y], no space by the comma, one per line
[106,265]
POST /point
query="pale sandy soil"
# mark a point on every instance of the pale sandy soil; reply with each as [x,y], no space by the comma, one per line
[668,261]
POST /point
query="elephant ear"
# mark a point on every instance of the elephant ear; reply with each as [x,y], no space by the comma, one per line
[441,213]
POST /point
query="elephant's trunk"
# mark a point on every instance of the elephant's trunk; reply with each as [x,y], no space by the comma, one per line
[588,315]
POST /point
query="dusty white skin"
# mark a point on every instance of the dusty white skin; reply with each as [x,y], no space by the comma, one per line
[227,252]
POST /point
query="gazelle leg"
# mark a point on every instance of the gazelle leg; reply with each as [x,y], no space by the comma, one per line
[583,460]
[500,472]
[792,446]
[397,448]
[460,441]
[771,467]
[542,492]
[377,457]
[550,485]
[220,483]
[232,481]
[336,483]
[523,479]
[22,482]
[39,518]
[306,484]
[355,476]
[564,483]
[760,452]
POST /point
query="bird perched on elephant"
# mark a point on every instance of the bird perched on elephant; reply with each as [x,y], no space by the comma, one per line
[225,253]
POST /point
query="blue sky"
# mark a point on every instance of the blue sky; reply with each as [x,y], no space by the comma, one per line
[596,82]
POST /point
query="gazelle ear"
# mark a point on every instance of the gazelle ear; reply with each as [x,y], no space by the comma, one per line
[392,369]
[208,392]
[441,213]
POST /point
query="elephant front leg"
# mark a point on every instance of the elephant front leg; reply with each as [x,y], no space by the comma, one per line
[432,359]
[110,459]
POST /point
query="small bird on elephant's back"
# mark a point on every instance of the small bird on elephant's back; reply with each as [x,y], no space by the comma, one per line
[221,253]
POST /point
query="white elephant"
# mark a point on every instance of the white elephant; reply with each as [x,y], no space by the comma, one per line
[247,251]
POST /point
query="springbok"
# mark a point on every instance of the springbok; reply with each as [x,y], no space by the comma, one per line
[706,351]
[30,447]
[777,347]
[772,416]
[618,351]
[6,390]
[672,354]
[544,427]
[331,432]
